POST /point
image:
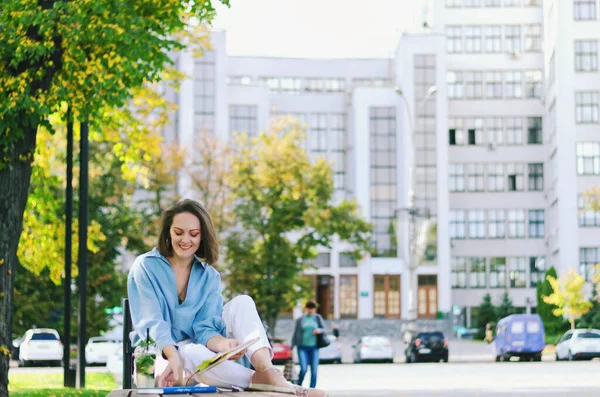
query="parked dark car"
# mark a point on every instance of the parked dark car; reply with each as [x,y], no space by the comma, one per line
[427,346]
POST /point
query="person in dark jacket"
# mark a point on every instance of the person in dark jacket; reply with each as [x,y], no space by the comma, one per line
[305,340]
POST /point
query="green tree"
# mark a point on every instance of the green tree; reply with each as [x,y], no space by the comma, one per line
[568,295]
[506,307]
[90,54]
[487,314]
[552,324]
[592,318]
[283,204]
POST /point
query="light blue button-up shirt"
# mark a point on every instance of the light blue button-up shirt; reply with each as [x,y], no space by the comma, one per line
[154,303]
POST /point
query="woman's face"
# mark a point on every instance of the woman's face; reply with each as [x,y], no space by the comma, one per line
[185,235]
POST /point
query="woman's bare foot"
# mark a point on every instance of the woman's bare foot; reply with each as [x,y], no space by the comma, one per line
[273,380]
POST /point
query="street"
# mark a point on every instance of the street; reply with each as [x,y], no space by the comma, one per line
[449,379]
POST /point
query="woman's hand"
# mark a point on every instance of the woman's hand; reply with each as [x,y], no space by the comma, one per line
[231,344]
[172,374]
[220,344]
[317,331]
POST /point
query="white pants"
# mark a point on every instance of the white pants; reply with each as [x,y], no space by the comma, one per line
[242,323]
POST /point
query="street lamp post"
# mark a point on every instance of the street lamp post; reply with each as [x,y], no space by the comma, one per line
[412,212]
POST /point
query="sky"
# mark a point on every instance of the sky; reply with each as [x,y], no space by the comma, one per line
[316,28]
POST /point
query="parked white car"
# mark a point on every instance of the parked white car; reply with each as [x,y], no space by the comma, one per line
[41,345]
[332,353]
[373,348]
[99,348]
[114,364]
[579,344]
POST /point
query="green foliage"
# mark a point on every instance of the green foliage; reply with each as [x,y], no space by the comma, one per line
[283,204]
[487,314]
[552,324]
[592,318]
[89,53]
[568,295]
[51,384]
[506,307]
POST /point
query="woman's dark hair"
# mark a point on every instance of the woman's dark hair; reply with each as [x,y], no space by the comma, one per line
[209,244]
[310,305]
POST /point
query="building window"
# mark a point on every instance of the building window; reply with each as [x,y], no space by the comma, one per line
[322,260]
[348,296]
[588,158]
[242,119]
[456,131]
[386,296]
[204,93]
[587,217]
[454,3]
[534,130]
[551,69]
[493,84]
[495,177]
[515,176]
[513,84]
[459,272]
[456,175]
[383,178]
[586,55]
[588,259]
[496,224]
[476,224]
[533,84]
[477,274]
[474,131]
[584,9]
[457,224]
[493,3]
[455,85]
[472,38]
[533,41]
[337,130]
[537,270]
[514,131]
[347,260]
[512,35]
[517,267]
[533,3]
[586,107]
[536,177]
[453,39]
[475,182]
[472,3]
[536,223]
[473,85]
[493,38]
[495,130]
[498,272]
[516,223]
[317,136]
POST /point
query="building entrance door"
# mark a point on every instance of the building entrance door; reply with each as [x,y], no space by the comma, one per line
[427,296]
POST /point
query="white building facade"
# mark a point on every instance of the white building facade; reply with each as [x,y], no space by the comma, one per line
[495,111]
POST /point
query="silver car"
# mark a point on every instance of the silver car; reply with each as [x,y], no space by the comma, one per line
[373,348]
[332,353]
[579,344]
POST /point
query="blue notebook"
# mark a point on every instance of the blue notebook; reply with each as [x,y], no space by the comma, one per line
[178,390]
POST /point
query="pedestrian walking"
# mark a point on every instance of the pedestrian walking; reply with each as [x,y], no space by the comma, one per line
[309,330]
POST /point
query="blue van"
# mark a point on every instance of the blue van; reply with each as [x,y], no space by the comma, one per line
[520,335]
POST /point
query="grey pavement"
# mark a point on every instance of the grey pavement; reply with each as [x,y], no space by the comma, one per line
[463,379]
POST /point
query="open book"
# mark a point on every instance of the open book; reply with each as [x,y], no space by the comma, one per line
[224,356]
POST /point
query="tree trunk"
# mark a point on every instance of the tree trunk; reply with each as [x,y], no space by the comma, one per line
[14,186]
[572,320]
